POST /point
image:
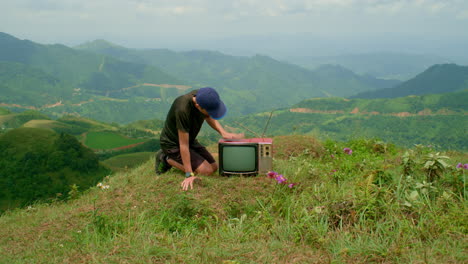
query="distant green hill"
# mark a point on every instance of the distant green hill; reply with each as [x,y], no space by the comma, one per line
[25,85]
[439,120]
[454,102]
[91,72]
[39,164]
[15,120]
[57,80]
[441,78]
[248,84]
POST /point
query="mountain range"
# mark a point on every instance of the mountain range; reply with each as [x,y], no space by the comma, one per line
[258,80]
[386,65]
[107,82]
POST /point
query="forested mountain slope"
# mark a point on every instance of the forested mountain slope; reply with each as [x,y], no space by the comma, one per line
[96,73]
[59,80]
[254,82]
[439,119]
[39,164]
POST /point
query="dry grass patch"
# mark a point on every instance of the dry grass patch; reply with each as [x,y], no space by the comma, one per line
[288,146]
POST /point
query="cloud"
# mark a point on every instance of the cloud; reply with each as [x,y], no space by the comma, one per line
[462,15]
[82,20]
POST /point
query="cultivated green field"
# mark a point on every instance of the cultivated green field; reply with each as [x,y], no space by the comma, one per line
[4,111]
[361,201]
[127,161]
[109,140]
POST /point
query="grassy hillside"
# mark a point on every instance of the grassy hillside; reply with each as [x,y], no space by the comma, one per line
[374,205]
[128,161]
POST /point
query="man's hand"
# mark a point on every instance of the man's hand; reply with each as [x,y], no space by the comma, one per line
[233,135]
[188,182]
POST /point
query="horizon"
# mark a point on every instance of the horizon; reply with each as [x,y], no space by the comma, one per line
[281,29]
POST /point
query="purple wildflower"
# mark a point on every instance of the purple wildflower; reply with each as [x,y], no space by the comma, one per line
[465,166]
[291,185]
[332,156]
[272,174]
[348,151]
[280,178]
[459,165]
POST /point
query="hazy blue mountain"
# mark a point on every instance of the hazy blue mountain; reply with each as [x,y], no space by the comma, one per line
[335,76]
[384,65]
[441,78]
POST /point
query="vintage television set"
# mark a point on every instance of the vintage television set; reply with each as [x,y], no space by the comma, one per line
[245,156]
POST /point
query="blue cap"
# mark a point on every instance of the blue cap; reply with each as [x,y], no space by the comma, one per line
[209,100]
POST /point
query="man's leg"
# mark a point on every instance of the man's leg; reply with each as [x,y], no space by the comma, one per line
[204,168]
[161,164]
[201,160]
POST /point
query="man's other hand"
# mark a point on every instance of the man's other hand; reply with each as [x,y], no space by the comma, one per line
[188,182]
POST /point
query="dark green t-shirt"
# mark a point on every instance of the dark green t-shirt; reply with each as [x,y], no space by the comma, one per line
[184,116]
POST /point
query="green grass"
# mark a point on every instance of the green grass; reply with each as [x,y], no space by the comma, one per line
[109,140]
[127,161]
[372,206]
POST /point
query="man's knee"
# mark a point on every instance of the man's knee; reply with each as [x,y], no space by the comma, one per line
[207,169]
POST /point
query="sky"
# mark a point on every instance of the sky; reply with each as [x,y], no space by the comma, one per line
[315,27]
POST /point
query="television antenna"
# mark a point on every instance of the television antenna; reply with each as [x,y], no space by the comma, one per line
[268,122]
[253,132]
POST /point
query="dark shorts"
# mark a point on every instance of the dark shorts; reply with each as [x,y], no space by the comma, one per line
[198,154]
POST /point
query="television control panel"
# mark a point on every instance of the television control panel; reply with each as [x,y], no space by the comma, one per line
[265,159]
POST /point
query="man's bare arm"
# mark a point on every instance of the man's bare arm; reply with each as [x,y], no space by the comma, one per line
[184,150]
[217,126]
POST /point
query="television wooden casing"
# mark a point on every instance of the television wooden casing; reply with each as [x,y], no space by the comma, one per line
[264,154]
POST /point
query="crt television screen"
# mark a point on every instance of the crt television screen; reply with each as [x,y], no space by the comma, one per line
[239,158]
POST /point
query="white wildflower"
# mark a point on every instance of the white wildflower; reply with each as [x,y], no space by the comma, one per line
[102,186]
